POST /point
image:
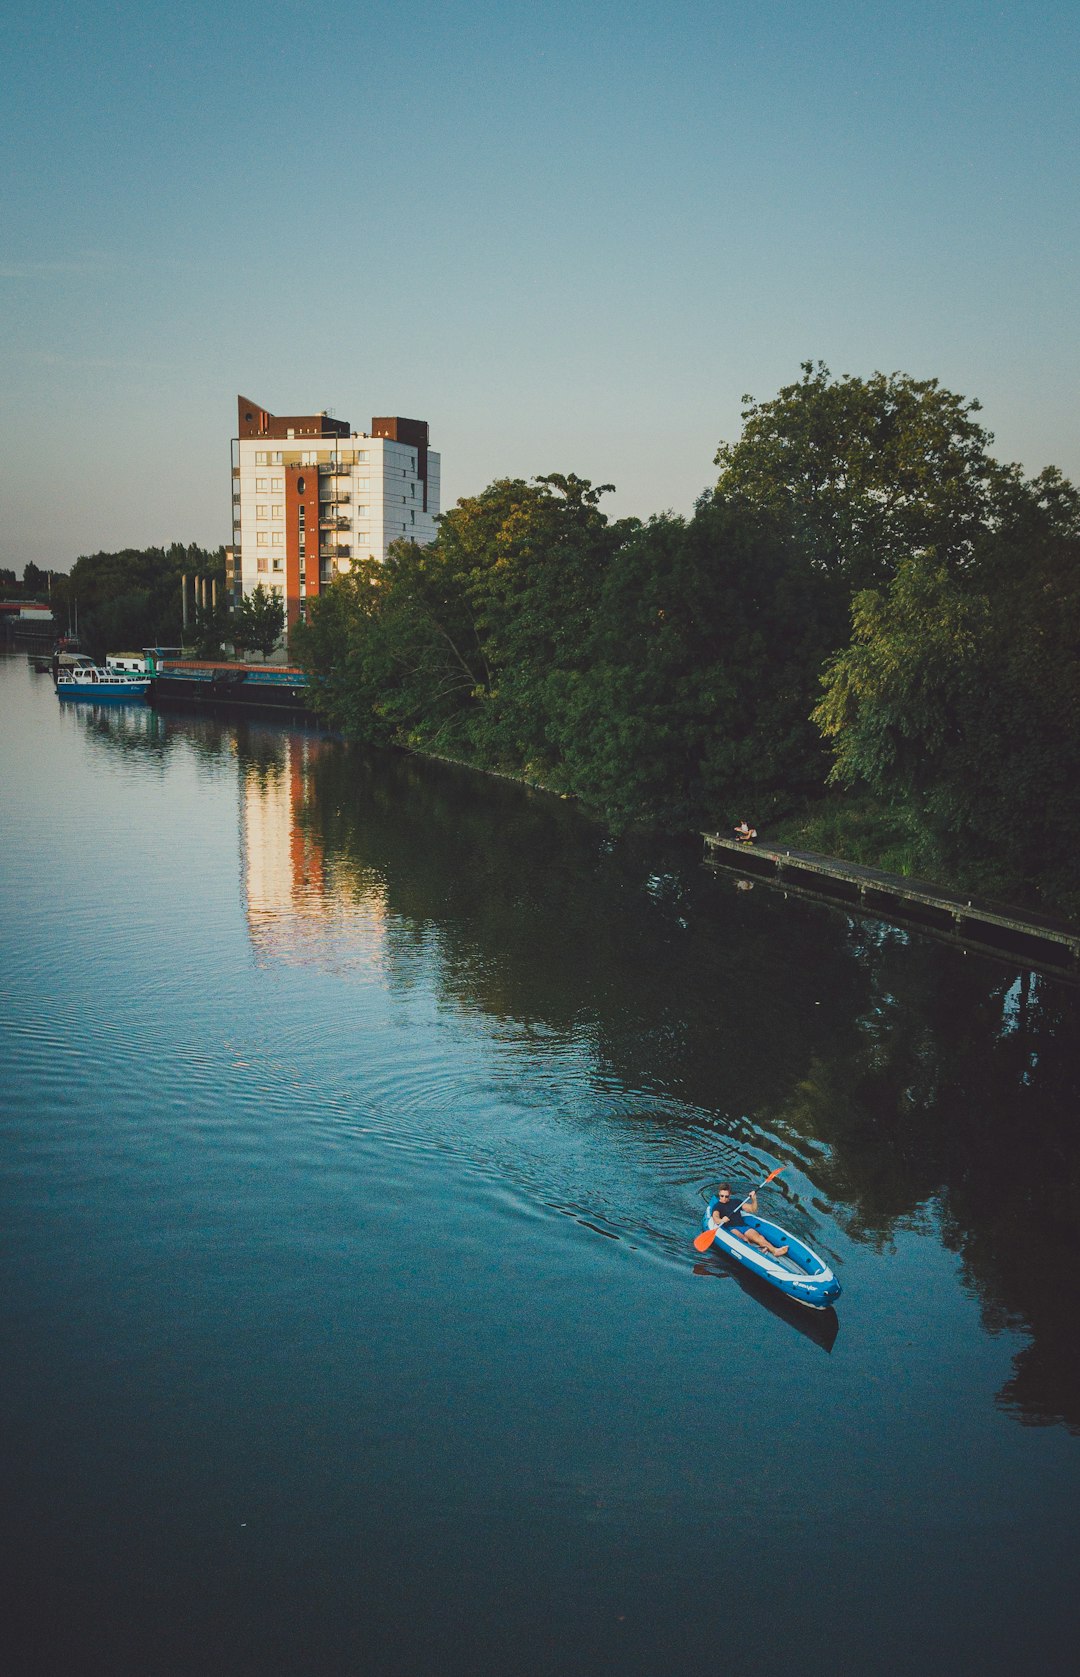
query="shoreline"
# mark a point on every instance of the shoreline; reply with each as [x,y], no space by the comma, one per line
[1049,943]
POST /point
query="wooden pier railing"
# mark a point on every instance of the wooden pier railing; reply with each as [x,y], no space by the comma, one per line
[1044,941]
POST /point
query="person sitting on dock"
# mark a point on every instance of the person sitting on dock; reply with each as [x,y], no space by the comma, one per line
[745,833]
[728,1213]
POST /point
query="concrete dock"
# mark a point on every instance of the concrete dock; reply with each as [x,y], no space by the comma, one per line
[1043,942]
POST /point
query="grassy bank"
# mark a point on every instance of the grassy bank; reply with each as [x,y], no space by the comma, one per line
[859,829]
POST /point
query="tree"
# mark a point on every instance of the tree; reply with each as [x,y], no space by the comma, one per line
[259,620]
[529,560]
[957,697]
[454,646]
[866,473]
[140,587]
[35,580]
[213,627]
[694,686]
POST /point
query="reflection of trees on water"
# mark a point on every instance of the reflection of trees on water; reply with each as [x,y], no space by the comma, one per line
[260,747]
[960,1086]
[133,730]
[903,1075]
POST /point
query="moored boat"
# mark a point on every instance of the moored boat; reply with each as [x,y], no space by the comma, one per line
[92,682]
[800,1274]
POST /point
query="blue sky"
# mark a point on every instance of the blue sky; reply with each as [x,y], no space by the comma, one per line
[569,236]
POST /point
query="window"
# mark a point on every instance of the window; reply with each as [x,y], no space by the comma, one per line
[260,538]
[260,512]
[275,459]
[260,563]
[260,486]
[277,484]
[277,539]
[277,563]
[277,512]
[361,454]
[261,460]
[412,517]
[361,512]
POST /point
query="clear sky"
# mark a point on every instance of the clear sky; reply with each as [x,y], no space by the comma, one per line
[570,236]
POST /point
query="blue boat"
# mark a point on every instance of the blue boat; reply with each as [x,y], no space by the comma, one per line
[800,1274]
[92,682]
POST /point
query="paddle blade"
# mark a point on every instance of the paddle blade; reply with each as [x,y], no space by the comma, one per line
[705,1239]
[773,1174]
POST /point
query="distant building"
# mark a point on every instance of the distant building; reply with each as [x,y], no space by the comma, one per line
[309,495]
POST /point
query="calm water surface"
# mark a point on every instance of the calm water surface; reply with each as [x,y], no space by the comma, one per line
[357,1115]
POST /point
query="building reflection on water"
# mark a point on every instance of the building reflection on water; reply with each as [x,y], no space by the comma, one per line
[302,906]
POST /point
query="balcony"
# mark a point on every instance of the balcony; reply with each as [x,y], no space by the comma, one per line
[334,550]
[336,498]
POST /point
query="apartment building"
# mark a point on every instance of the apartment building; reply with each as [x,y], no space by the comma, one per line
[309,495]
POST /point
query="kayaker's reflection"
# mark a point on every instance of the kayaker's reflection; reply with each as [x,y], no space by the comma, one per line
[726,1212]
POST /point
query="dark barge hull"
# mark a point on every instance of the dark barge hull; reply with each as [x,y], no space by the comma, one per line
[284,691]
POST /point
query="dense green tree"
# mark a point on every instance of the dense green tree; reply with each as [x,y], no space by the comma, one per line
[133,597]
[35,580]
[213,627]
[866,472]
[258,621]
[529,561]
[692,701]
[451,646]
[958,695]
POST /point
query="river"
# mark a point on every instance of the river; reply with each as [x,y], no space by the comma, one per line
[357,1117]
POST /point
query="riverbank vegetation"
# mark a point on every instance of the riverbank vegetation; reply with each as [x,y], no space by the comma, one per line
[132,599]
[866,612]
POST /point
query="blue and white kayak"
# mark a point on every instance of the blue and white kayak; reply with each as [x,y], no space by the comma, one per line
[800,1273]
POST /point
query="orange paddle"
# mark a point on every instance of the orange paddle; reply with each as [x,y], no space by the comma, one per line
[705,1239]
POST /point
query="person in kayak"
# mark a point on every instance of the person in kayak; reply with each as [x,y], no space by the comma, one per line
[727,1213]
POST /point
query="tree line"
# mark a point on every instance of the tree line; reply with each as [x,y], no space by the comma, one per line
[35,582]
[865,599]
[133,599]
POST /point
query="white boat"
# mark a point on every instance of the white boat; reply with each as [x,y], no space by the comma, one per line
[92,682]
[127,663]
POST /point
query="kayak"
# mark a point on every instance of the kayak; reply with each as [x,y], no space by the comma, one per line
[800,1274]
